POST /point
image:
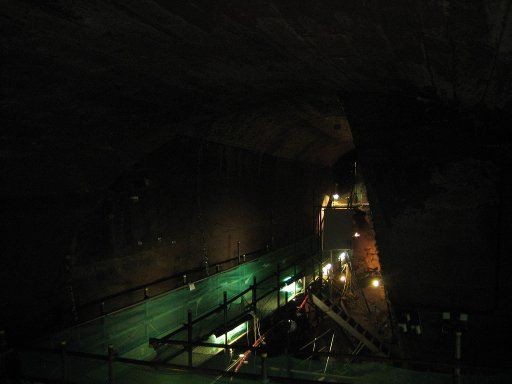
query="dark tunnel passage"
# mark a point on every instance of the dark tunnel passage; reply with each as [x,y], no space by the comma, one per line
[154,149]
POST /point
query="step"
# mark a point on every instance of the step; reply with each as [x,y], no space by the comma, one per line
[352,327]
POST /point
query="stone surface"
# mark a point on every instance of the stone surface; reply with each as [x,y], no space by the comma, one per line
[90,86]
[186,204]
[91,89]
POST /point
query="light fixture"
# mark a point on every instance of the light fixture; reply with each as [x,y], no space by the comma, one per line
[375,283]
[232,335]
[356,234]
[335,196]
[325,270]
[342,256]
[289,288]
[343,278]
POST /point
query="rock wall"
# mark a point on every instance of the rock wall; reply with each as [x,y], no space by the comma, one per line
[189,201]
[437,183]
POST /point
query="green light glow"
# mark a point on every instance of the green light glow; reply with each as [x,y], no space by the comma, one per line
[233,334]
[289,288]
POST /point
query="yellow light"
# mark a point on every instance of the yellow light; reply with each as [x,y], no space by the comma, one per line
[356,234]
[376,283]
[335,196]
[343,278]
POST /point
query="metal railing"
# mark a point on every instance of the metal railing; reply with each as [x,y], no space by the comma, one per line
[110,360]
[250,308]
[99,307]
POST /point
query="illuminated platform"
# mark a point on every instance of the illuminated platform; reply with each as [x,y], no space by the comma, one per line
[180,336]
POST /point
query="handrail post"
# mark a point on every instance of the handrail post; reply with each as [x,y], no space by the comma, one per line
[277,287]
[313,267]
[457,376]
[225,306]
[63,361]
[189,337]
[111,357]
[264,376]
[254,293]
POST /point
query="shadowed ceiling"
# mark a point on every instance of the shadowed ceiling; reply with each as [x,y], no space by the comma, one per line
[90,86]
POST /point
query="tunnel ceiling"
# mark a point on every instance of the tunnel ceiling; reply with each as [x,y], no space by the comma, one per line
[91,86]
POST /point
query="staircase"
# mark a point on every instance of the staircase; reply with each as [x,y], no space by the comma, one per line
[321,298]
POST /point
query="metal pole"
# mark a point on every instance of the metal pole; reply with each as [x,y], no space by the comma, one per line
[287,350]
[111,353]
[458,337]
[330,280]
[146,320]
[330,349]
[189,337]
[62,346]
[295,283]
[264,376]
[254,293]
[225,298]
[238,251]
[277,286]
